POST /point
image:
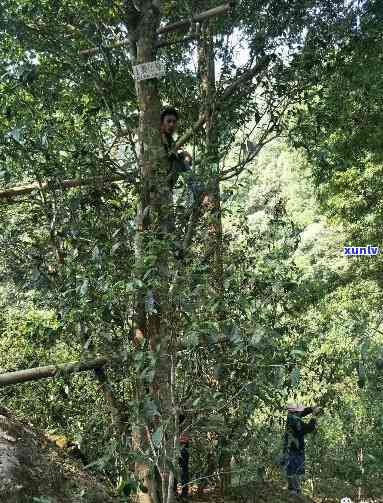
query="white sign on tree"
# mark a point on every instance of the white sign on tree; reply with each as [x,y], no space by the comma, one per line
[151,70]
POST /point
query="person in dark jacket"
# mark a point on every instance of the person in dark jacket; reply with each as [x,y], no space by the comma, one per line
[180,160]
[294,443]
[183,461]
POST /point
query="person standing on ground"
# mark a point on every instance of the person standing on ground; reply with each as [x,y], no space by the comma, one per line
[183,461]
[294,443]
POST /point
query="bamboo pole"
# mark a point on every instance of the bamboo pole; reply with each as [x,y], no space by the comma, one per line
[34,374]
[179,25]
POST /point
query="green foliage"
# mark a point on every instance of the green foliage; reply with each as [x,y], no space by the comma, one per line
[294,319]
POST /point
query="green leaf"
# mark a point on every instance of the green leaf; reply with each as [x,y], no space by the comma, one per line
[157,437]
[364,348]
[298,352]
[150,408]
[15,133]
[257,336]
[96,253]
[35,274]
[192,339]
[150,376]
[140,355]
[235,335]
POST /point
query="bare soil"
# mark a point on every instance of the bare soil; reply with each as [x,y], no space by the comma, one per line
[32,471]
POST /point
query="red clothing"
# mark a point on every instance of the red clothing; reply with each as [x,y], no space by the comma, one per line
[184,438]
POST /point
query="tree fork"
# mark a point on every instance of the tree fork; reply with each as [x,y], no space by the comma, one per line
[171,27]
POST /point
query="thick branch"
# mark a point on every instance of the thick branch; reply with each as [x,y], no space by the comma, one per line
[243,79]
[184,23]
[179,25]
[65,184]
[193,129]
[37,373]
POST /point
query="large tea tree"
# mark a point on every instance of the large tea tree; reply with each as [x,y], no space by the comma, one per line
[102,255]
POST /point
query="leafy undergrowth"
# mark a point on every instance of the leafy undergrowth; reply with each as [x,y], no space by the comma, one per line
[275,492]
[31,470]
[260,492]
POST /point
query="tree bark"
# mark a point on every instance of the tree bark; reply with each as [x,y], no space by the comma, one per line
[171,27]
[34,374]
[212,206]
[153,240]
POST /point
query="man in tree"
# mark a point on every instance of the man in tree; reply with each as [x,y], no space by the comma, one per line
[294,444]
[181,160]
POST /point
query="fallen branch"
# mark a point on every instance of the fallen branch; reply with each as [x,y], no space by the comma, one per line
[34,374]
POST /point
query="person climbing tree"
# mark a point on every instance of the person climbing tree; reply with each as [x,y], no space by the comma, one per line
[183,461]
[180,160]
[294,445]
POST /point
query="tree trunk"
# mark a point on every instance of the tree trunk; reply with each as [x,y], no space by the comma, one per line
[212,205]
[153,239]
[212,200]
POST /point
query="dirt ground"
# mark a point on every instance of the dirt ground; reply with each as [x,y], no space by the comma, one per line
[30,470]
